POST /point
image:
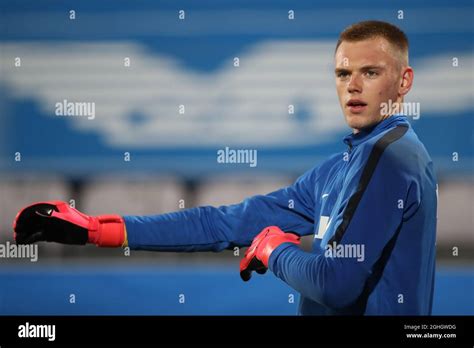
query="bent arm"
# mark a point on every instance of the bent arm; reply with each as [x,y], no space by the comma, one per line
[369,223]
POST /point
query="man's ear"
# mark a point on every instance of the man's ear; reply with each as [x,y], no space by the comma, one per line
[407,81]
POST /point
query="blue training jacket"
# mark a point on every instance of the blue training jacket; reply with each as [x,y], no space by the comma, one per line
[371,209]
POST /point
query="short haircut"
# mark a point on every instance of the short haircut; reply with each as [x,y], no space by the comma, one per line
[372,29]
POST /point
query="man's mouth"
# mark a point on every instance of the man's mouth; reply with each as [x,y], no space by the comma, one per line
[356,105]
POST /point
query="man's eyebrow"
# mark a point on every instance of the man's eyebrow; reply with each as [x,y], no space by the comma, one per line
[339,70]
[372,67]
[364,68]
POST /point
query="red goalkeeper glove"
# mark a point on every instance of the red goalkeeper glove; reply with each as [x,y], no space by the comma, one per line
[56,221]
[257,255]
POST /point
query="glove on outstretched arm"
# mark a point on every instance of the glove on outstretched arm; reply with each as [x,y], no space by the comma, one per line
[56,221]
[257,255]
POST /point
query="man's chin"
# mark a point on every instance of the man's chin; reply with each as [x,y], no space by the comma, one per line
[356,120]
[359,122]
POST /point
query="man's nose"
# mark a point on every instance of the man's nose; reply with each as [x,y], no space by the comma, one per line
[355,84]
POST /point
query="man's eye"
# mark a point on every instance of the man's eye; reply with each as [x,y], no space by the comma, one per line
[342,74]
[372,73]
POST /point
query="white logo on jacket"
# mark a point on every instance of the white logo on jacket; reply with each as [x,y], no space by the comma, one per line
[324,223]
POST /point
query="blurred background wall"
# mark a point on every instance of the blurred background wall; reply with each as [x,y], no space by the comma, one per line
[171,84]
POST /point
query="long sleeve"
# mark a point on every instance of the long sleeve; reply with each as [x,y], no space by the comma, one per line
[217,228]
[368,218]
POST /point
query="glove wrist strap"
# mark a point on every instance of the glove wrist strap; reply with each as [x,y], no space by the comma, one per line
[107,231]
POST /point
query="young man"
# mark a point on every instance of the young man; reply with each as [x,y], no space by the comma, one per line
[372,208]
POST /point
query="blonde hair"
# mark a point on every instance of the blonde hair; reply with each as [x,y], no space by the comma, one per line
[372,29]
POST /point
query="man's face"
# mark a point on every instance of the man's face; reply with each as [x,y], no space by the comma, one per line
[368,74]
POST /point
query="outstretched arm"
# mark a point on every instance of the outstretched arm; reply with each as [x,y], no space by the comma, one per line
[217,228]
[198,229]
